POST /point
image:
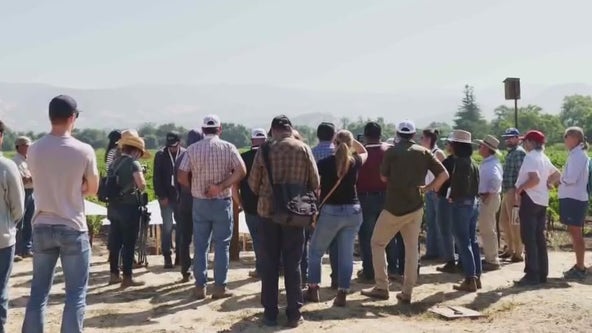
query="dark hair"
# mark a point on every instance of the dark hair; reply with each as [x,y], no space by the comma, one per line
[406,136]
[113,136]
[209,130]
[462,149]
[2,127]
[432,134]
[372,130]
[129,149]
[326,132]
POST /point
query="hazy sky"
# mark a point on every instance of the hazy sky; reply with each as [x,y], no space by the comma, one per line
[347,45]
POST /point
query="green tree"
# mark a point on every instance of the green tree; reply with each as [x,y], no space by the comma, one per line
[309,135]
[577,111]
[238,135]
[469,117]
[530,117]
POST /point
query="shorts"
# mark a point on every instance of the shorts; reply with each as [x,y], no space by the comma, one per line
[572,212]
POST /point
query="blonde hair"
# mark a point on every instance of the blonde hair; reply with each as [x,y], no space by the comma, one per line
[578,133]
[343,152]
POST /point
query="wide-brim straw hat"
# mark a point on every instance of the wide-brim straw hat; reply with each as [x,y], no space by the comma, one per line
[129,139]
[460,136]
[490,142]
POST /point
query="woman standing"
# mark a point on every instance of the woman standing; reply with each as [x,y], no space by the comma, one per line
[340,217]
[123,211]
[463,193]
[536,175]
[445,218]
[111,151]
[573,196]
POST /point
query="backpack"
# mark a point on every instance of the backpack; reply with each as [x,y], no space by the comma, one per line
[109,186]
[294,205]
[589,185]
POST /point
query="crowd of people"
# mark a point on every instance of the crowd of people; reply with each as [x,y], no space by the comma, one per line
[346,187]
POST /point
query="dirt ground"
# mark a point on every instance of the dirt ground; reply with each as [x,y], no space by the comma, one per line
[163,305]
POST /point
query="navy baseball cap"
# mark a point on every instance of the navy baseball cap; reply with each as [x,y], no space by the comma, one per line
[63,106]
[511,132]
[172,139]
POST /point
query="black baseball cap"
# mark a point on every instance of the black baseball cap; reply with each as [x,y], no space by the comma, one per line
[63,106]
[172,139]
[281,122]
[373,130]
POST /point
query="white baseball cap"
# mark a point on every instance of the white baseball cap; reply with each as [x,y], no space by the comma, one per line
[211,121]
[258,133]
[406,127]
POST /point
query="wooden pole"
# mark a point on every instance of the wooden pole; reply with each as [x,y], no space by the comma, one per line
[234,244]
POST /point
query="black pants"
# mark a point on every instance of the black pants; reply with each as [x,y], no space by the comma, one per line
[184,233]
[532,232]
[123,234]
[287,242]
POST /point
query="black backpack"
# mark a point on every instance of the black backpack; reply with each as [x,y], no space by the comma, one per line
[109,185]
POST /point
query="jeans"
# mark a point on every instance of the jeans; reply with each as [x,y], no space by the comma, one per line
[254,225]
[433,240]
[445,224]
[24,233]
[465,212]
[212,218]
[123,234]
[73,249]
[333,257]
[284,242]
[6,258]
[532,230]
[184,219]
[372,204]
[339,224]
[166,241]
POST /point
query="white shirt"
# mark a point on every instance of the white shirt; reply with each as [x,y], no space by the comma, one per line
[574,179]
[430,176]
[490,175]
[536,161]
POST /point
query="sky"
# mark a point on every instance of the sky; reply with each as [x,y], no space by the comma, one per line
[327,45]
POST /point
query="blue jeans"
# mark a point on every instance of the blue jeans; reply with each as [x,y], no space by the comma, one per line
[166,229]
[465,213]
[73,249]
[254,225]
[212,218]
[6,258]
[338,223]
[433,240]
[372,205]
[24,233]
[445,224]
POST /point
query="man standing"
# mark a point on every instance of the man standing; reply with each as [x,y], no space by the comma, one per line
[215,166]
[372,194]
[512,166]
[65,171]
[248,200]
[23,236]
[164,189]
[403,169]
[490,185]
[12,208]
[292,162]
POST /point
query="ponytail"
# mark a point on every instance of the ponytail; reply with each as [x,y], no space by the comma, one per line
[343,152]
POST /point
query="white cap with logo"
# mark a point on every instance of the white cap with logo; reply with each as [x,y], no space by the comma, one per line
[406,127]
[211,121]
[258,133]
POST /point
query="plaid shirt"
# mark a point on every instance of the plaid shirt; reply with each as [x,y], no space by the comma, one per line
[210,162]
[512,167]
[291,161]
[323,149]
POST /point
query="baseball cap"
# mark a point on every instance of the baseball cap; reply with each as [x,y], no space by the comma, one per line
[63,106]
[406,127]
[258,133]
[194,136]
[281,122]
[211,121]
[536,136]
[372,130]
[172,139]
[511,132]
[22,141]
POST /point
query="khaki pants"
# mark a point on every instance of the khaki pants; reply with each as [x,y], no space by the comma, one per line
[387,226]
[511,232]
[487,211]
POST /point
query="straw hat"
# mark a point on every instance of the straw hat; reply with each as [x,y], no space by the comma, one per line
[132,139]
[460,136]
[490,142]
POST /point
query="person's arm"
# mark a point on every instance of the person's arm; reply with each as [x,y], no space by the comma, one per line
[90,181]
[436,168]
[385,167]
[236,196]
[139,179]
[184,169]
[360,150]
[239,171]
[256,173]
[16,193]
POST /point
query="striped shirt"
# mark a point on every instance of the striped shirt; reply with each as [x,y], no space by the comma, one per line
[112,154]
[210,162]
[323,149]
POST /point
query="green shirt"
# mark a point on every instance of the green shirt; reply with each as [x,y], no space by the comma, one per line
[126,167]
[405,166]
[464,180]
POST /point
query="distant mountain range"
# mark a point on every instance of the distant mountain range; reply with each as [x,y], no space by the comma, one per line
[23,106]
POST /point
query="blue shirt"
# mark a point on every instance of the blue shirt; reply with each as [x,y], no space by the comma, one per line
[574,180]
[490,175]
[323,149]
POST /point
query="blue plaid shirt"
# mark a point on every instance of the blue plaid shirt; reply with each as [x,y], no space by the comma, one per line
[323,149]
[512,167]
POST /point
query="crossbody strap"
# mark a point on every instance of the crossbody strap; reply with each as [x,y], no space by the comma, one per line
[332,191]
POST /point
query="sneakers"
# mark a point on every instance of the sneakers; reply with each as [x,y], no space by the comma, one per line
[449,268]
[506,255]
[186,278]
[340,299]
[516,258]
[376,293]
[115,279]
[312,294]
[403,298]
[199,292]
[489,267]
[221,292]
[128,281]
[526,282]
[468,285]
[17,258]
[575,274]
[294,323]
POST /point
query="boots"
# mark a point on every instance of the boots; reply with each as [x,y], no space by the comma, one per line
[312,294]
[128,281]
[478,283]
[340,298]
[221,292]
[115,279]
[199,292]
[469,285]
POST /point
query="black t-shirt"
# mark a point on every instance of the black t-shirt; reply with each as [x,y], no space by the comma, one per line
[449,165]
[249,199]
[346,193]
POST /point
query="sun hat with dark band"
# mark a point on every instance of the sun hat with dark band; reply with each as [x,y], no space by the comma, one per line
[490,142]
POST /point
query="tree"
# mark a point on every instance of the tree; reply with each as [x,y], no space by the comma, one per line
[469,117]
[577,111]
[238,135]
[309,135]
[530,117]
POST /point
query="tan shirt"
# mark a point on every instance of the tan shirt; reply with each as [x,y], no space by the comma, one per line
[23,167]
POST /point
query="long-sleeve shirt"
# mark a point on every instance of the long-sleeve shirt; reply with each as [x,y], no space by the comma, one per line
[490,175]
[323,149]
[574,179]
[23,167]
[12,201]
[512,166]
[164,174]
